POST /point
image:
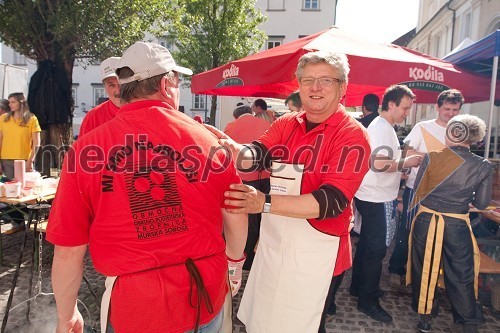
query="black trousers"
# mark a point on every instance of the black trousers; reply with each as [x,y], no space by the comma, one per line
[458,265]
[264,186]
[370,251]
[330,299]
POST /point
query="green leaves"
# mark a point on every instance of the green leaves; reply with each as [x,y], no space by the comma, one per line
[62,30]
[209,33]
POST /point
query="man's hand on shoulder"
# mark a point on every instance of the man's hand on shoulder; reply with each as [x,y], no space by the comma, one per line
[244,199]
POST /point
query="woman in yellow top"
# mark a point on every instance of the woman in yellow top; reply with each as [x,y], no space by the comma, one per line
[19,139]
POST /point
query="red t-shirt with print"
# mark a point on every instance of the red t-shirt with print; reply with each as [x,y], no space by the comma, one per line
[336,153]
[145,192]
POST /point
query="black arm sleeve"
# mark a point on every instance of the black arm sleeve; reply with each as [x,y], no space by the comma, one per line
[262,157]
[482,197]
[332,201]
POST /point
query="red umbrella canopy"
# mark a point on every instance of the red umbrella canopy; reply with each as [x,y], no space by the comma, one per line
[374,67]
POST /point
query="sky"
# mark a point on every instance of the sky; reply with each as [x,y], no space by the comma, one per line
[377,20]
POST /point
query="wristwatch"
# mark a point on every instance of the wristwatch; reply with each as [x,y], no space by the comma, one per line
[267,204]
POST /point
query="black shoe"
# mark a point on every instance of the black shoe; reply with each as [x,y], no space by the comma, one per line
[356,294]
[424,324]
[376,313]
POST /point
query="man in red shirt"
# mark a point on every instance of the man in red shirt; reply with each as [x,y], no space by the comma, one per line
[105,111]
[145,191]
[245,129]
[318,158]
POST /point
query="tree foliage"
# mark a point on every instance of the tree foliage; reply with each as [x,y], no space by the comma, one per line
[210,33]
[65,31]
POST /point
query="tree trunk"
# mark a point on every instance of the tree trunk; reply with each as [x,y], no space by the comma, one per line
[56,138]
[54,143]
[213,110]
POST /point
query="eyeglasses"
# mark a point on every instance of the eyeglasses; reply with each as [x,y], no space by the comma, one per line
[323,81]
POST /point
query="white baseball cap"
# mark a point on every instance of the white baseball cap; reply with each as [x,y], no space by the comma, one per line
[147,60]
[108,67]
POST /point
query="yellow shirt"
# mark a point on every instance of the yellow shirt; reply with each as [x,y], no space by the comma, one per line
[16,139]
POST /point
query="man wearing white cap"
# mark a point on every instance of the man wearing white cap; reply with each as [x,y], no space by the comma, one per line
[148,201]
[107,110]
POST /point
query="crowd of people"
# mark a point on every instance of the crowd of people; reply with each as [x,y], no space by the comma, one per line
[173,210]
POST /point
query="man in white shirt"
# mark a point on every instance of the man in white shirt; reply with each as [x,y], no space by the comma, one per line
[379,187]
[426,136]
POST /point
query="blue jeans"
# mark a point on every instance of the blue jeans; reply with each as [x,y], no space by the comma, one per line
[215,326]
[399,257]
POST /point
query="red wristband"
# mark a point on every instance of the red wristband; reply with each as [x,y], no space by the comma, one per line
[238,260]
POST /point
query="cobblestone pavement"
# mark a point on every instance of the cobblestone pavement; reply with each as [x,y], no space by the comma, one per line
[348,319]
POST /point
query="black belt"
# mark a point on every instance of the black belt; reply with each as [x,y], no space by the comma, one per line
[202,295]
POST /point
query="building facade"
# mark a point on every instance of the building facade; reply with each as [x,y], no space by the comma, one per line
[446,25]
[287,21]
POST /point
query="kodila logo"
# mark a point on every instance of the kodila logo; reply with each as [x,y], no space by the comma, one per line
[430,74]
[230,72]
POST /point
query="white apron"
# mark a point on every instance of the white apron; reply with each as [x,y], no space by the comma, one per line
[106,300]
[292,270]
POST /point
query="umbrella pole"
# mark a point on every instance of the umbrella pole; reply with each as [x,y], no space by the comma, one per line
[492,106]
[495,144]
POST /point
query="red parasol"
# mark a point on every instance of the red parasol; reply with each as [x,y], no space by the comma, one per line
[374,67]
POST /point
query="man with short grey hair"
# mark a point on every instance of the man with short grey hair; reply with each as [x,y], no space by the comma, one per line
[424,137]
[149,203]
[317,160]
[442,241]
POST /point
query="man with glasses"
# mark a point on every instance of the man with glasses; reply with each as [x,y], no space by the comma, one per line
[317,160]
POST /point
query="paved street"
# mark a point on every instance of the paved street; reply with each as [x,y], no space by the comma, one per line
[348,319]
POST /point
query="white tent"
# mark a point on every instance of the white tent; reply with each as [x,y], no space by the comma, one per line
[13,79]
